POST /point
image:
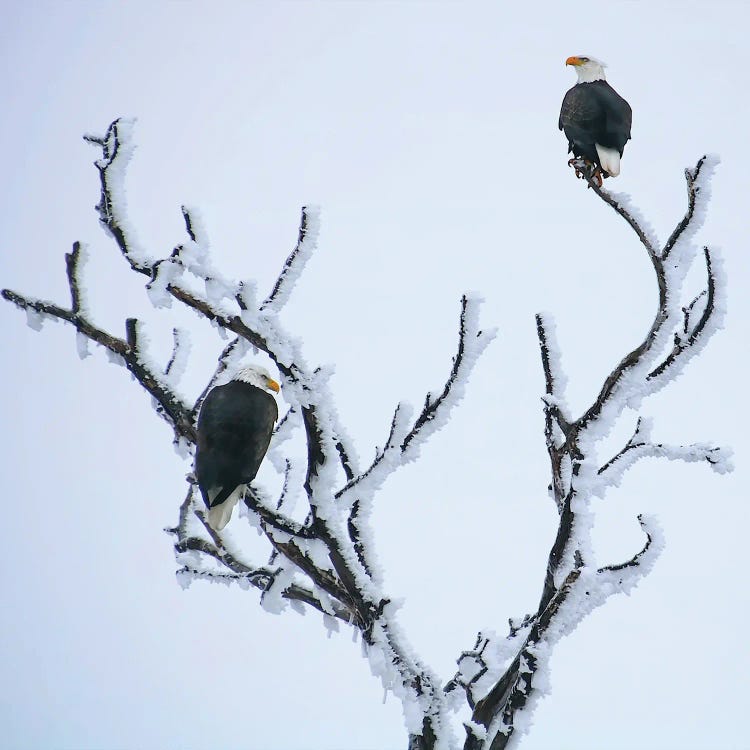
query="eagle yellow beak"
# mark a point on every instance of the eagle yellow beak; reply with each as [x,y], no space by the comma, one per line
[273,385]
[573,61]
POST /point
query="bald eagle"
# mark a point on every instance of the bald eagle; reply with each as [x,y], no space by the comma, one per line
[234,429]
[595,118]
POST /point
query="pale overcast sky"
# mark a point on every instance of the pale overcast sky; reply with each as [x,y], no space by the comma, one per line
[427,133]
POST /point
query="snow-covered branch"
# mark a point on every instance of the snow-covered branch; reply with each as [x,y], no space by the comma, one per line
[472,341]
[640,445]
[623,576]
[324,562]
[506,678]
[306,242]
[327,562]
[126,352]
[697,184]
[404,438]
[709,308]
[73,266]
[636,375]
[557,429]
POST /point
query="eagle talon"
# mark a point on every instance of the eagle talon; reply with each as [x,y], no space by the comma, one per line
[594,173]
[579,166]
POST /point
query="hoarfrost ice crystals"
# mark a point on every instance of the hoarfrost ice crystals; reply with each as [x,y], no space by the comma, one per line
[117,149]
[327,562]
[574,583]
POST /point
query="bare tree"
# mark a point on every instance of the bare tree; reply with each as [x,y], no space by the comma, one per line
[325,561]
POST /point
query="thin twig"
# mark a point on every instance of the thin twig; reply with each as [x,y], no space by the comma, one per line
[691,176]
[294,257]
[634,561]
[432,406]
[72,260]
[682,344]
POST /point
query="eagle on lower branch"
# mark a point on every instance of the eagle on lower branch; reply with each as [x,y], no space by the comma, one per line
[234,430]
[596,121]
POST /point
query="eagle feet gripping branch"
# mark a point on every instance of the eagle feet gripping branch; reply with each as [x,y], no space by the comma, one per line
[597,176]
[585,169]
[596,121]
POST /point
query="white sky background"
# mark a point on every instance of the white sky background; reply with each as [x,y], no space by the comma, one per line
[428,135]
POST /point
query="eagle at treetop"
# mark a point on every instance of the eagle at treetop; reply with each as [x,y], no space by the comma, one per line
[234,429]
[596,120]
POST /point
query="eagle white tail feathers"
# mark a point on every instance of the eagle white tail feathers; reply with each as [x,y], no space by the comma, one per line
[219,515]
[609,158]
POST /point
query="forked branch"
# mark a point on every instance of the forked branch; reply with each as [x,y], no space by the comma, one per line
[320,563]
[505,681]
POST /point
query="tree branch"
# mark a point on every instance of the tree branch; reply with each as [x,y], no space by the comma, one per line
[691,178]
[683,343]
[295,263]
[498,693]
[72,262]
[171,408]
[324,561]
[618,204]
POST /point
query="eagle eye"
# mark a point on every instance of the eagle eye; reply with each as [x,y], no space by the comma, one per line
[584,59]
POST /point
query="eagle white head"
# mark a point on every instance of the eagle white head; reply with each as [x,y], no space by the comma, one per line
[259,377]
[588,68]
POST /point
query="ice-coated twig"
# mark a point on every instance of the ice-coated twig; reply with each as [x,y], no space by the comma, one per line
[554,377]
[171,408]
[621,205]
[641,446]
[276,520]
[472,341]
[285,546]
[471,667]
[638,439]
[397,430]
[696,183]
[556,422]
[116,149]
[687,311]
[285,485]
[654,544]
[178,362]
[220,555]
[189,223]
[691,338]
[73,263]
[309,228]
[260,578]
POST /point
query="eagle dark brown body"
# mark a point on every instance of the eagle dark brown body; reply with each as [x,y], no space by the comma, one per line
[234,431]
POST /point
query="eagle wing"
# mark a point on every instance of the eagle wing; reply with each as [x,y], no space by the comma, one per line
[595,113]
[619,117]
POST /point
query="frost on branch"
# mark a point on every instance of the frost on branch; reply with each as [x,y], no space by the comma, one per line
[327,561]
[509,675]
[320,549]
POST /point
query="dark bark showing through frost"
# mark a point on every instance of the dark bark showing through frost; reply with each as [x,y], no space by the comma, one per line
[322,562]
